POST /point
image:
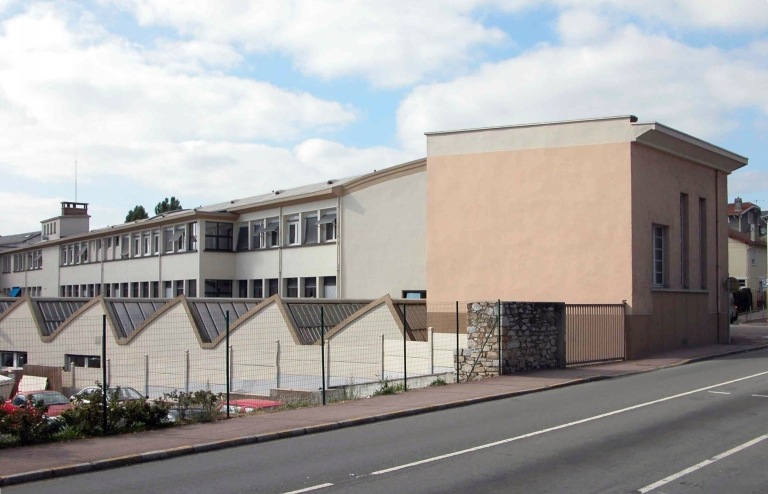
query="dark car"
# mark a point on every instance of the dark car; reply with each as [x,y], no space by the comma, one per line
[122,393]
[54,402]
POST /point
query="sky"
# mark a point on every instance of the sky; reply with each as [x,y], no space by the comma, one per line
[120,103]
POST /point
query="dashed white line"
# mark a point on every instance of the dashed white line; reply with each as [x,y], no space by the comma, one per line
[719,393]
[308,489]
[562,426]
[760,396]
[703,464]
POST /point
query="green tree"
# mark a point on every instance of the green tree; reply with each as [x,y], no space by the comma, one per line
[137,213]
[166,205]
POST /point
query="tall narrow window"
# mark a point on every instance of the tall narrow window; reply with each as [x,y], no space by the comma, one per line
[659,250]
[328,225]
[272,287]
[703,241]
[258,289]
[292,287]
[257,232]
[310,228]
[272,232]
[242,237]
[310,287]
[684,257]
[292,233]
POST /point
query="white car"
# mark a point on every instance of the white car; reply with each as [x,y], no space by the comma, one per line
[123,394]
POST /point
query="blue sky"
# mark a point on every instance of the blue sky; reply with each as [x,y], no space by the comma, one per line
[210,101]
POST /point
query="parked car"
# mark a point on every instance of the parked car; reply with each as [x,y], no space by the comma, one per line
[248,405]
[54,401]
[124,393]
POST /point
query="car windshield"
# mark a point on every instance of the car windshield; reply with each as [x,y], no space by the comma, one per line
[130,394]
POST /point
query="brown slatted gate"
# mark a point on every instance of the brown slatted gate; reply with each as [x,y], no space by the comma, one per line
[594,333]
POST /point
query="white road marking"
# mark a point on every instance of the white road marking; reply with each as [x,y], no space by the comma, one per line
[562,426]
[703,464]
[760,396]
[719,393]
[308,489]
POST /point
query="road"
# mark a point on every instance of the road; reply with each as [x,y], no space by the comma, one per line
[699,428]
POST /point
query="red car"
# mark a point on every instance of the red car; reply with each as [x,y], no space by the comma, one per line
[248,405]
[54,401]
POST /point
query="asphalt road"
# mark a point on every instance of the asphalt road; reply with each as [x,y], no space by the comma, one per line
[699,428]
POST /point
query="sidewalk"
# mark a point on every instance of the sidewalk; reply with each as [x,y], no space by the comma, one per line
[26,464]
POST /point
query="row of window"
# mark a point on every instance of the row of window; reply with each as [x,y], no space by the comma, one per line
[306,287]
[307,228]
[32,291]
[172,239]
[17,360]
[49,228]
[660,245]
[24,261]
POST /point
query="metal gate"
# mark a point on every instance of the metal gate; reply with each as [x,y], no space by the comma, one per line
[594,333]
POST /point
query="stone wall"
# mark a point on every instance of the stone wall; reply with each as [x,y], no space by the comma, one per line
[532,337]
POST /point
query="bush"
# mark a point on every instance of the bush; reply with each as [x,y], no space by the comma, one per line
[389,389]
[198,406]
[28,424]
[86,419]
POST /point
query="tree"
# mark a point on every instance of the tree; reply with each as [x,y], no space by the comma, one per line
[137,213]
[168,205]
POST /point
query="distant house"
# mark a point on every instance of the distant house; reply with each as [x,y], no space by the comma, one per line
[590,211]
[747,252]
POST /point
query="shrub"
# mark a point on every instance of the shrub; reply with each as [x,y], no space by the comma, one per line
[28,424]
[389,389]
[198,406]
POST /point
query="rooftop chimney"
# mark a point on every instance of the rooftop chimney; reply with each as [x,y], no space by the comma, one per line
[737,204]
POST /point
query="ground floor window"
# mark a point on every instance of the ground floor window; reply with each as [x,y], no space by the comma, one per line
[13,359]
[218,288]
[88,361]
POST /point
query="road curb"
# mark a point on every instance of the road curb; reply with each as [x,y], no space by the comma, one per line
[151,456]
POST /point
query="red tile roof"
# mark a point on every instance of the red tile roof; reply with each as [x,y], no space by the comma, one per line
[745,238]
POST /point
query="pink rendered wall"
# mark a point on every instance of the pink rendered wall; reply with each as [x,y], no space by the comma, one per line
[550,224]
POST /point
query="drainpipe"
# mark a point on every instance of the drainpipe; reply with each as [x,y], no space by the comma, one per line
[338,248]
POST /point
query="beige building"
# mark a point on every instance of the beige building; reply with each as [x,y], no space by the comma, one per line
[747,246]
[592,211]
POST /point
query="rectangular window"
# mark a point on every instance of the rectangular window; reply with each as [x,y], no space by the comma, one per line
[310,228]
[292,287]
[192,236]
[125,247]
[168,289]
[703,241]
[124,290]
[310,287]
[272,233]
[218,236]
[155,242]
[13,359]
[257,234]
[258,288]
[191,288]
[218,288]
[136,245]
[242,288]
[272,287]
[292,230]
[168,239]
[179,287]
[179,234]
[135,289]
[684,256]
[329,287]
[6,264]
[242,237]
[659,255]
[144,289]
[88,361]
[328,225]
[415,294]
[146,243]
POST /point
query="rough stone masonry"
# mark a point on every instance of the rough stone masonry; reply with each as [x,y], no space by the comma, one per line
[532,337]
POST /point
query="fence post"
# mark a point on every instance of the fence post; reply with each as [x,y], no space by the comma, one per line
[322,350]
[146,375]
[277,364]
[109,371]
[458,350]
[104,425]
[382,357]
[186,371]
[74,379]
[498,344]
[231,364]
[405,348]
[226,349]
[431,332]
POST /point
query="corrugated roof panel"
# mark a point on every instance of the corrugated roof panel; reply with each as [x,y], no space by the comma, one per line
[211,316]
[306,316]
[130,315]
[5,304]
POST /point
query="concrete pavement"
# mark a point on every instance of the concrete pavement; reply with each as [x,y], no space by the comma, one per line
[26,464]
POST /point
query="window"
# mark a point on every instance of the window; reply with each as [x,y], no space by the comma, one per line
[179,287]
[659,256]
[218,288]
[257,234]
[192,236]
[292,287]
[310,228]
[136,245]
[135,289]
[684,257]
[88,361]
[124,290]
[191,288]
[272,286]
[292,233]
[168,289]
[179,232]
[329,287]
[146,242]
[125,247]
[258,289]
[328,225]
[416,294]
[168,239]
[703,241]
[242,288]
[310,287]
[13,359]
[272,232]
[6,264]
[218,236]
[155,242]
[242,237]
[144,289]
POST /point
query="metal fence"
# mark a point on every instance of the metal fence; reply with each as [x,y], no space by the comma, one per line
[594,333]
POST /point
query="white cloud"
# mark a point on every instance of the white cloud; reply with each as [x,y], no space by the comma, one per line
[652,76]
[62,93]
[335,160]
[22,212]
[391,43]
